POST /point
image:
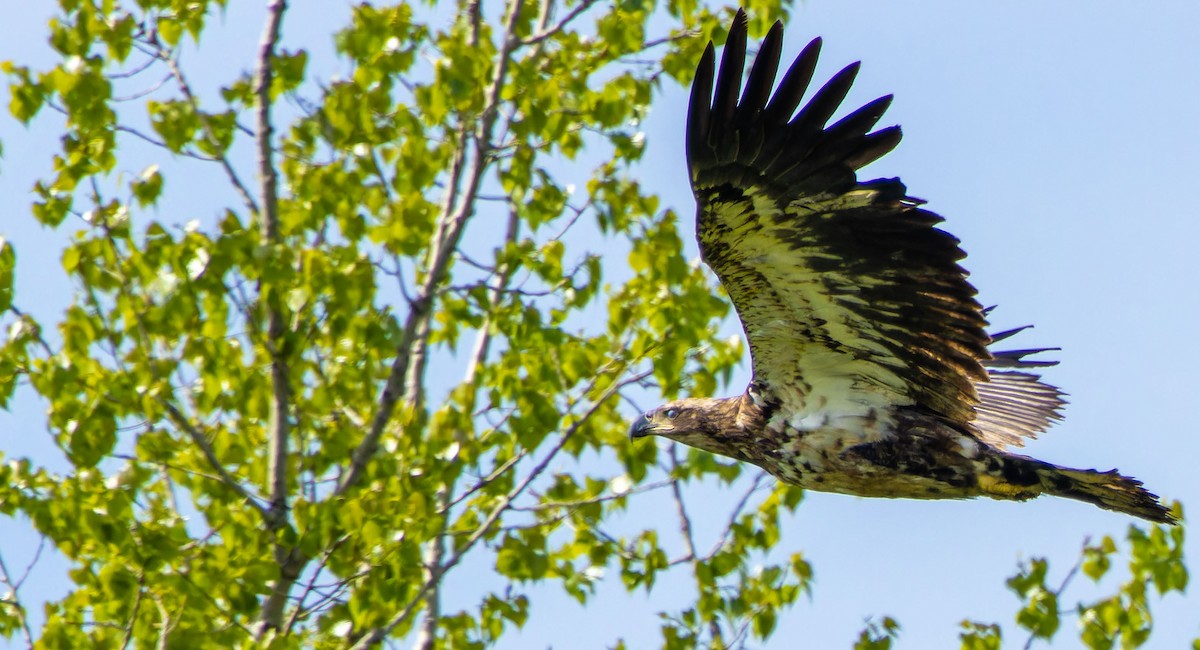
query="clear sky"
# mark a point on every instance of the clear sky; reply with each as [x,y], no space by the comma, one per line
[1059,140]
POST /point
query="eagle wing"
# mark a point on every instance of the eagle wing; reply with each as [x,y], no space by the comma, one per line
[850,298]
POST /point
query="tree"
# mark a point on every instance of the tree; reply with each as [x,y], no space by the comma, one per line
[396,350]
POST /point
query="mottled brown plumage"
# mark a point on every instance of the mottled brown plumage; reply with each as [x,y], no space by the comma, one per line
[872,373]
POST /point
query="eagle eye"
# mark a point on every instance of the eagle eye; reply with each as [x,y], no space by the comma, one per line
[672,413]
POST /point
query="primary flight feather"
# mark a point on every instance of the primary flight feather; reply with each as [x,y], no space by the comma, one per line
[871,369]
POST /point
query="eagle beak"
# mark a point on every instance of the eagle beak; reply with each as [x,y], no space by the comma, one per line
[642,427]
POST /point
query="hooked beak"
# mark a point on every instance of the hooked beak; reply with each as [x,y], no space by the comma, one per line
[643,426]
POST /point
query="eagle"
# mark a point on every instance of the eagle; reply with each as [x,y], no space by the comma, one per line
[872,369]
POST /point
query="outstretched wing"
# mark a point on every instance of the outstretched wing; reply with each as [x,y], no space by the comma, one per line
[850,298]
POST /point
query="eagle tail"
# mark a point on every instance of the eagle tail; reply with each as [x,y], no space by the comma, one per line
[1109,490]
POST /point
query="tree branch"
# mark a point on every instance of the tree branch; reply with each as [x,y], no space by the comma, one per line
[180,421]
[269,225]
[15,602]
[436,546]
[378,634]
[289,560]
[440,254]
[408,368]
[133,614]
[164,628]
[737,511]
[548,32]
[300,609]
[186,89]
[685,522]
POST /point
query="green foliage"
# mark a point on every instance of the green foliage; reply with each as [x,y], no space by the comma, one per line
[1124,618]
[878,635]
[8,263]
[332,383]
[980,636]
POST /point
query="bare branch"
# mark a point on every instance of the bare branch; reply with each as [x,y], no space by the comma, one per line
[504,275]
[138,69]
[475,263]
[484,482]
[679,36]
[159,143]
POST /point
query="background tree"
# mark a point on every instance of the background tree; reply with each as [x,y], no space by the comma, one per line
[399,349]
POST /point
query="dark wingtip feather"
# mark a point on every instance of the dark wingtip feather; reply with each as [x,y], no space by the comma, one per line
[699,114]
[762,75]
[875,146]
[861,120]
[795,82]
[1015,358]
[729,75]
[1000,336]
[821,107]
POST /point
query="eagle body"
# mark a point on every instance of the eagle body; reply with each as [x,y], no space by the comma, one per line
[901,454]
[873,373]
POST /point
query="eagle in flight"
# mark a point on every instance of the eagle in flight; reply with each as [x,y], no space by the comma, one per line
[872,373]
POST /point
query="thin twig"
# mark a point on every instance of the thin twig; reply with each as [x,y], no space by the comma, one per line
[737,511]
[600,498]
[1066,581]
[311,587]
[560,25]
[685,521]
[133,614]
[186,89]
[38,337]
[181,422]
[165,626]
[14,587]
[484,482]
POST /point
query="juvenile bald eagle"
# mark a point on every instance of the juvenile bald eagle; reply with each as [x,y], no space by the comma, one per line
[872,374]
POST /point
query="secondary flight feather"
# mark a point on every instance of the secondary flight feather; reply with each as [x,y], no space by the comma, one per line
[872,373]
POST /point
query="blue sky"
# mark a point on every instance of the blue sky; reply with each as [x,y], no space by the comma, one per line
[1059,141]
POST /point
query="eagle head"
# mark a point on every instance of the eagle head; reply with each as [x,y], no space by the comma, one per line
[676,417]
[710,424]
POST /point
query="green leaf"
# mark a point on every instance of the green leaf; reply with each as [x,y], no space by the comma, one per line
[8,265]
[147,188]
[980,636]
